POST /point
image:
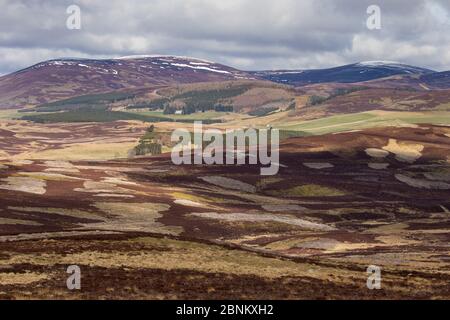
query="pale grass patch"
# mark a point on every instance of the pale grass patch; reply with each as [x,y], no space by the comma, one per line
[134,217]
[285,244]
[308,190]
[90,186]
[84,151]
[205,201]
[21,278]
[24,184]
[189,203]
[264,217]
[388,229]
[52,235]
[59,164]
[325,245]
[112,195]
[63,170]
[116,180]
[47,176]
[405,152]
[20,162]
[7,221]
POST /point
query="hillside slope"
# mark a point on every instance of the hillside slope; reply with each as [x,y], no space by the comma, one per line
[64,78]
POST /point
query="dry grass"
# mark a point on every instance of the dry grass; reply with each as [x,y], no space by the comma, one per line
[21,278]
[179,255]
[405,152]
[18,222]
[24,184]
[84,151]
[265,217]
[134,217]
[308,190]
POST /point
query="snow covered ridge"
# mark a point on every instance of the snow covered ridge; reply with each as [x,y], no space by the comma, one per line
[279,72]
[188,62]
[380,63]
[182,65]
[392,65]
[141,61]
[176,66]
[150,56]
[76,63]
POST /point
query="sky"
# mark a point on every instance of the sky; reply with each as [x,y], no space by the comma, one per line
[246,34]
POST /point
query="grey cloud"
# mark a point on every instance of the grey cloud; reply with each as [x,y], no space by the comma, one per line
[249,34]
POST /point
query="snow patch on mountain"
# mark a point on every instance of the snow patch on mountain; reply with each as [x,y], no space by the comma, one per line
[162,57]
[182,65]
[392,65]
[379,63]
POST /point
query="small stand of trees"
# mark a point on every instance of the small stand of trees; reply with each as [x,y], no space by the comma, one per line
[148,145]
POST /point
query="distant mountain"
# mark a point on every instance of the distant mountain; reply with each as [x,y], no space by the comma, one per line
[64,78]
[60,79]
[352,73]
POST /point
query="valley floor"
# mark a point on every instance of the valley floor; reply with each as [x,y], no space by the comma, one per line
[147,229]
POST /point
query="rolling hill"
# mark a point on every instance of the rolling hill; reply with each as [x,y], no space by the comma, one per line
[419,82]
[331,101]
[256,98]
[65,78]
[57,80]
[352,73]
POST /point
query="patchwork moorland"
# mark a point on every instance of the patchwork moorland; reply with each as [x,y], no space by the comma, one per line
[86,179]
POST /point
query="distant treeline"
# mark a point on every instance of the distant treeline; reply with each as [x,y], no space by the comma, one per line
[157,104]
[92,115]
[93,101]
[262,111]
[195,101]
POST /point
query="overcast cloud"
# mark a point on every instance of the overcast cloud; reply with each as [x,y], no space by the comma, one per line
[247,34]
